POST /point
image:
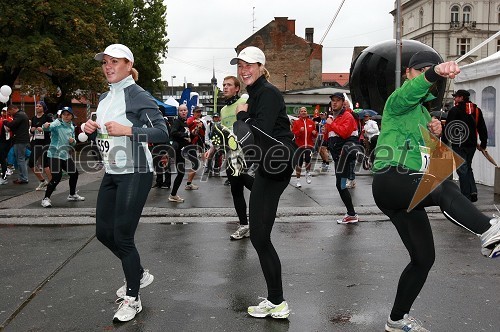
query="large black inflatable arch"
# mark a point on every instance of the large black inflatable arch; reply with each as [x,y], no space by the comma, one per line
[372,75]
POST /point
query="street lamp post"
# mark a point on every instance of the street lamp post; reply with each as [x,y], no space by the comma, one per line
[285,76]
[173,76]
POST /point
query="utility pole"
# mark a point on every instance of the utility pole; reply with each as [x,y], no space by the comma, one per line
[173,76]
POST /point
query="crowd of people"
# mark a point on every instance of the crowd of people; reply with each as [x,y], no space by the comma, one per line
[136,142]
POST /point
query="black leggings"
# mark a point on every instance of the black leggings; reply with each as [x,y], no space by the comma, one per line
[191,153]
[120,202]
[56,167]
[238,183]
[393,190]
[4,150]
[263,205]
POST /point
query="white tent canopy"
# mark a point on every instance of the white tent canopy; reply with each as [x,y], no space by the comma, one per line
[482,80]
[172,102]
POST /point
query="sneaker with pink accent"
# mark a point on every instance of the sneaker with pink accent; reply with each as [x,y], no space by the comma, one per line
[348,219]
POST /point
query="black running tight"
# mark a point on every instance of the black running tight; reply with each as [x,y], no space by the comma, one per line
[119,207]
[263,205]
[393,191]
[238,183]
[57,166]
[190,152]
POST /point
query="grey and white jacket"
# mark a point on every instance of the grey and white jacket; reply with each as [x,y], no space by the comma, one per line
[128,104]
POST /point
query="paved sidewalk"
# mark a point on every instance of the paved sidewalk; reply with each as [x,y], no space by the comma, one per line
[57,277]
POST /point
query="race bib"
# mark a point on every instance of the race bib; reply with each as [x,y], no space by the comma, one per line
[425,154]
[115,151]
[39,135]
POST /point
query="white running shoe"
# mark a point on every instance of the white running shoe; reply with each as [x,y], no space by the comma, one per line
[128,308]
[46,202]
[4,181]
[191,186]
[308,178]
[146,280]
[42,185]
[75,197]
[9,171]
[298,185]
[266,308]
[407,324]
[348,219]
[241,232]
[175,198]
[491,237]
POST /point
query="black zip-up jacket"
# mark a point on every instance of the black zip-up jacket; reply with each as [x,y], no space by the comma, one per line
[179,133]
[267,110]
[20,126]
[457,116]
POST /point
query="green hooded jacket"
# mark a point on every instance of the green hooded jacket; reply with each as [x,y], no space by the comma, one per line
[400,142]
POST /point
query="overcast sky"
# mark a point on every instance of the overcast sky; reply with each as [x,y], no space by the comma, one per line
[204,33]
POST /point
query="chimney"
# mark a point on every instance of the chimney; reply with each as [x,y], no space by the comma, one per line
[309,35]
[286,23]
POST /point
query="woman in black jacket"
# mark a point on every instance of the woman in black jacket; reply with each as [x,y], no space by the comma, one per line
[265,112]
[181,138]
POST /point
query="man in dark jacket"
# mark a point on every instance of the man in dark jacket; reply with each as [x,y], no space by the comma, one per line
[464,123]
[20,126]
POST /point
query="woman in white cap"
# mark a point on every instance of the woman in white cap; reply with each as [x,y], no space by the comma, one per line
[265,112]
[127,120]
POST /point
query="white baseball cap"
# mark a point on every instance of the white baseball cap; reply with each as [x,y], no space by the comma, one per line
[116,51]
[250,54]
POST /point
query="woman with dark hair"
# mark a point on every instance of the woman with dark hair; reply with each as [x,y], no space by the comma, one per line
[401,168]
[62,142]
[39,144]
[127,120]
[265,113]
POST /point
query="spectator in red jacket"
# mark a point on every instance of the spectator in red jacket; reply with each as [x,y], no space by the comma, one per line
[305,132]
[197,130]
[342,131]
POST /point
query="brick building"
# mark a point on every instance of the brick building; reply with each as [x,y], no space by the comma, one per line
[293,62]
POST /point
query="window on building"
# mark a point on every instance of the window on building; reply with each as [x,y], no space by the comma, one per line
[498,45]
[421,18]
[466,12]
[463,46]
[498,14]
[488,106]
[454,14]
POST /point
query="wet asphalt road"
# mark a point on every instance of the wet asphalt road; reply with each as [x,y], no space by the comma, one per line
[57,277]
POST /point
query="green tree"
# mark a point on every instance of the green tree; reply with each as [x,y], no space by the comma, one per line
[141,25]
[50,44]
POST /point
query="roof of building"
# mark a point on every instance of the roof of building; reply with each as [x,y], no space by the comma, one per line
[341,78]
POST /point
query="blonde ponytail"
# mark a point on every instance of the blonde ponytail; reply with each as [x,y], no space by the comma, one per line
[135,74]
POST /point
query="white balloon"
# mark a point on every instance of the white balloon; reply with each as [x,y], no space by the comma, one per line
[82,137]
[6,90]
[245,96]
[83,126]
[3,98]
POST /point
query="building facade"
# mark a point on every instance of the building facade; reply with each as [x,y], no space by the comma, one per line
[452,28]
[293,62]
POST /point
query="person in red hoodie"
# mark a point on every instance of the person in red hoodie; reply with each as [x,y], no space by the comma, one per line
[305,132]
[4,144]
[342,131]
[197,130]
